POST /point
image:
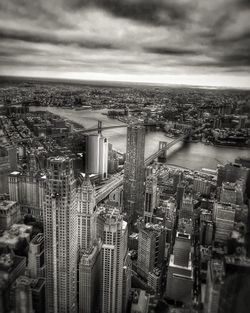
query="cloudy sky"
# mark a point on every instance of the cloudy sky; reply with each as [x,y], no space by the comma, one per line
[198,42]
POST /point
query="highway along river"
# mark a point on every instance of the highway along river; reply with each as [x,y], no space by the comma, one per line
[190,155]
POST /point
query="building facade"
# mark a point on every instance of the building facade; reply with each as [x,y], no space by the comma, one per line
[97,155]
[60,237]
[134,172]
[85,194]
[114,250]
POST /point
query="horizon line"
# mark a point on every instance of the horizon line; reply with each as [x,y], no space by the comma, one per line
[159,84]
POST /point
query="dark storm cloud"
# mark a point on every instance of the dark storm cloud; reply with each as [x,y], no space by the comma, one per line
[138,36]
[149,11]
[51,39]
[236,59]
[170,51]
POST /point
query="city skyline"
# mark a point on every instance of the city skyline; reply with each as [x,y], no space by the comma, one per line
[124,156]
[85,227]
[165,42]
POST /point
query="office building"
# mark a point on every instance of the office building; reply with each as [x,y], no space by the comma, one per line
[60,236]
[180,194]
[180,271]
[151,248]
[9,214]
[177,178]
[215,280]
[187,207]
[23,295]
[97,155]
[155,279]
[134,173]
[114,251]
[202,186]
[169,208]
[36,257]
[8,163]
[231,172]
[90,279]
[223,217]
[235,291]
[113,160]
[150,197]
[228,193]
[206,228]
[85,194]
[29,295]
[27,189]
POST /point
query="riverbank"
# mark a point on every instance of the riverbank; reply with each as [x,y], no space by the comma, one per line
[190,155]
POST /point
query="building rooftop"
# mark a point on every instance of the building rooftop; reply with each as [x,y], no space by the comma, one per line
[14,173]
[6,204]
[9,261]
[38,239]
[172,264]
[183,235]
[12,236]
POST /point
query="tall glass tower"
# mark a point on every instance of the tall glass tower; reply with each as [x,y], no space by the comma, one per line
[134,172]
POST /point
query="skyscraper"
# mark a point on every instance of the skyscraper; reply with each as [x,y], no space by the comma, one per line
[36,256]
[180,272]
[23,295]
[90,279]
[179,194]
[85,207]
[97,155]
[150,197]
[60,236]
[114,256]
[186,209]
[223,216]
[228,193]
[215,280]
[134,172]
[8,163]
[151,248]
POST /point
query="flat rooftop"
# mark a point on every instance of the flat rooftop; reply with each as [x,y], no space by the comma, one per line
[6,204]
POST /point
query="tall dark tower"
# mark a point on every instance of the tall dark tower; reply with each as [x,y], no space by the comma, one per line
[134,173]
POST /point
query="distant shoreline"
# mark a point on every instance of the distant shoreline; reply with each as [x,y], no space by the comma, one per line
[115,84]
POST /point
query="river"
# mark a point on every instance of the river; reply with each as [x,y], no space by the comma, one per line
[190,155]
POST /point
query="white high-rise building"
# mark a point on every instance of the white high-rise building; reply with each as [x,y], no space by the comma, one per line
[85,207]
[103,157]
[97,155]
[36,256]
[60,236]
[114,252]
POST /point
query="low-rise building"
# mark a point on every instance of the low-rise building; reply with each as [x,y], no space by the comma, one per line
[9,213]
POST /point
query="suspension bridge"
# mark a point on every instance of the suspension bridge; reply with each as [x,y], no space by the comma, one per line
[161,153]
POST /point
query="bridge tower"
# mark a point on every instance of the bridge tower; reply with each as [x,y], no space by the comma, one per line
[99,127]
[163,146]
